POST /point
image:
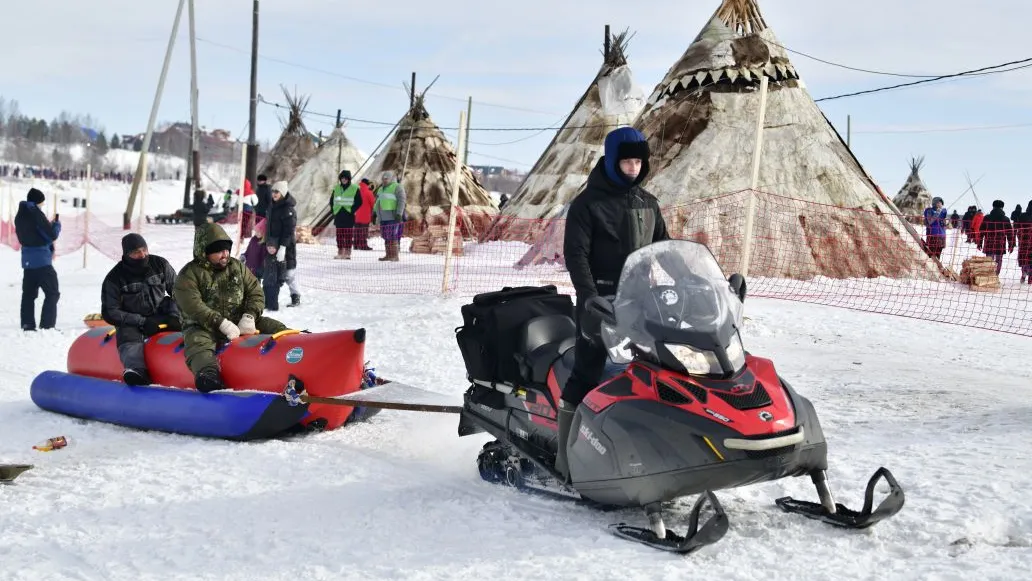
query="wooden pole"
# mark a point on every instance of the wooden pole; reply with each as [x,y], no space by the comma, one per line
[412,91]
[140,172]
[143,195]
[469,112]
[849,131]
[86,214]
[251,170]
[608,47]
[754,182]
[453,211]
[194,113]
[240,205]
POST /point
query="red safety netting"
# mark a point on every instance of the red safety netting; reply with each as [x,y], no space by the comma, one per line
[859,259]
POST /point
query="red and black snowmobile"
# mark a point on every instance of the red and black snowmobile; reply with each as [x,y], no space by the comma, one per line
[691,413]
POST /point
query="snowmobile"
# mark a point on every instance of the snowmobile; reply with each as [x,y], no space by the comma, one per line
[691,413]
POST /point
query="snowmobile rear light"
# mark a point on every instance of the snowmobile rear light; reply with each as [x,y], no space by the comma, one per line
[765,444]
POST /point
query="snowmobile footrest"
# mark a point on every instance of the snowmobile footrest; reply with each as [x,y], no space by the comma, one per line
[851,519]
[697,537]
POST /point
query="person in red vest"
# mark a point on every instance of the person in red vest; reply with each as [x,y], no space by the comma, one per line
[364,215]
[976,227]
[249,200]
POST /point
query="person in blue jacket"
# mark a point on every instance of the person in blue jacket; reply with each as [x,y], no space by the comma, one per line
[37,235]
[935,228]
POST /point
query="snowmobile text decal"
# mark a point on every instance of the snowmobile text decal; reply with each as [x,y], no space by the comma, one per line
[718,415]
[592,439]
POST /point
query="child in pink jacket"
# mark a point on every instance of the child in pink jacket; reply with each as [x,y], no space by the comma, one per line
[254,257]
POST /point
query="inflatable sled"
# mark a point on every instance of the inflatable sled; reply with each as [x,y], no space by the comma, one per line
[330,364]
[233,415]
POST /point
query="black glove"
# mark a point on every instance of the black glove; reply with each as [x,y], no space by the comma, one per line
[150,325]
[172,323]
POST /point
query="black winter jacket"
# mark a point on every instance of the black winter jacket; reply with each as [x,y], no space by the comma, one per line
[129,295]
[996,235]
[281,227]
[344,218]
[200,212]
[264,193]
[604,225]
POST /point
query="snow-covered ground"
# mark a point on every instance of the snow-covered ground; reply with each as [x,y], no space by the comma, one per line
[945,408]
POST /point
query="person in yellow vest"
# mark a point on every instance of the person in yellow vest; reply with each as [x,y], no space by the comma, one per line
[344,201]
[389,210]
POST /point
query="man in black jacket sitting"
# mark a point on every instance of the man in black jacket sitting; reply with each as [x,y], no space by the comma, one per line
[136,299]
[610,219]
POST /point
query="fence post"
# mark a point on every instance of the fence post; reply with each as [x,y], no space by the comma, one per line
[143,193]
[240,205]
[86,214]
[750,207]
[452,212]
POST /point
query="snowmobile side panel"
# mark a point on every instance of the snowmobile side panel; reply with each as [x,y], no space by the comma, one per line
[231,415]
[639,451]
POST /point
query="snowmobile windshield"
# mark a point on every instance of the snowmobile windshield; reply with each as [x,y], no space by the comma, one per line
[675,306]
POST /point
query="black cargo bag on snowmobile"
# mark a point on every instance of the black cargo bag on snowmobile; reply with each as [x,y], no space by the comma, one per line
[491,328]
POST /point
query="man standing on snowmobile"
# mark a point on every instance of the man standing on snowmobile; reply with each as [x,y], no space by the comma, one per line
[610,219]
[220,300]
[136,299]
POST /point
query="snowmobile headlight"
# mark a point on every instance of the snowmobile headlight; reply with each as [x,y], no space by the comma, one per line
[736,352]
[695,361]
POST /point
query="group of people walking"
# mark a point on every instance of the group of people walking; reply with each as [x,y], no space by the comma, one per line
[995,234]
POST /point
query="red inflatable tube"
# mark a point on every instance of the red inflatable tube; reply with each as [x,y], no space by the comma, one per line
[330,364]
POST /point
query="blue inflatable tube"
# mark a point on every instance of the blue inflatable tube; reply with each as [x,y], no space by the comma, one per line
[231,415]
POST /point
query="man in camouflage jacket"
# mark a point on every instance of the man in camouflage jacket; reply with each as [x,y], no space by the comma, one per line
[220,300]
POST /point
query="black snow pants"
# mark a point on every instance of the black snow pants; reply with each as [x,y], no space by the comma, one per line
[34,280]
[588,364]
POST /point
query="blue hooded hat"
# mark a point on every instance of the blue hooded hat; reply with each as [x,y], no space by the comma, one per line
[626,143]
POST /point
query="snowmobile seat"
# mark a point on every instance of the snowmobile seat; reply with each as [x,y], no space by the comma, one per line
[543,340]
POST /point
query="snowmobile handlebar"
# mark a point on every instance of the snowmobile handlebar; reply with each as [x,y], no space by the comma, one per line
[602,307]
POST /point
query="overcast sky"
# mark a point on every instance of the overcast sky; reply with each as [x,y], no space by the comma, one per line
[526,63]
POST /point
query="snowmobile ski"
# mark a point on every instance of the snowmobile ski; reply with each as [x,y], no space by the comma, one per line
[842,516]
[8,472]
[658,537]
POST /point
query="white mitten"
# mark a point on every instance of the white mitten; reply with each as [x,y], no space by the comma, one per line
[227,328]
[246,325]
[281,254]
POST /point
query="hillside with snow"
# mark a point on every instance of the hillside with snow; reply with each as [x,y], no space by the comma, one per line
[214,176]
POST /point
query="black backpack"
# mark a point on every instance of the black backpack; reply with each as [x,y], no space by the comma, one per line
[491,328]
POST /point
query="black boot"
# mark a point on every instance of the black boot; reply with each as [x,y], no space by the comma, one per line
[208,380]
[136,377]
[295,300]
[565,418]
